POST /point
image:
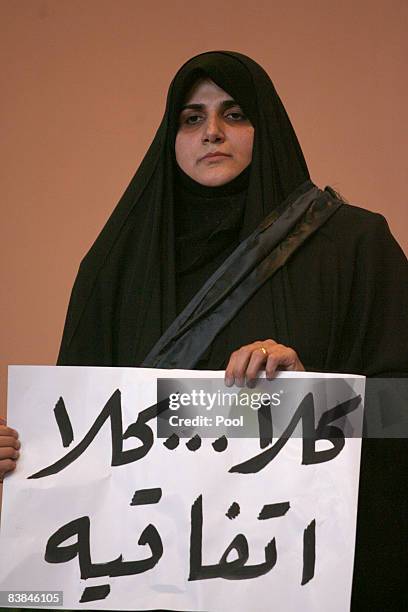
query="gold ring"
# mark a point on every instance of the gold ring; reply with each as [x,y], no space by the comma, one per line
[263,349]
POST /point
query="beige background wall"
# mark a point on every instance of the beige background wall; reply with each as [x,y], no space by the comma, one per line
[83,87]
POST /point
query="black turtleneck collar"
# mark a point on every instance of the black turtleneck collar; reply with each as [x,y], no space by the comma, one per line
[208,221]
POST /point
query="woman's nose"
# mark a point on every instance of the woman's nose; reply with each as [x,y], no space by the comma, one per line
[213,131]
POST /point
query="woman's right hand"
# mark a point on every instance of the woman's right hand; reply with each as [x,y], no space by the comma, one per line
[9,449]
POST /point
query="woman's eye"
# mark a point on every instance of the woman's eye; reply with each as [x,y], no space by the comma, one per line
[236,115]
[192,119]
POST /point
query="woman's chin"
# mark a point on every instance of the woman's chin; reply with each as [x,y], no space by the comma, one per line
[215,179]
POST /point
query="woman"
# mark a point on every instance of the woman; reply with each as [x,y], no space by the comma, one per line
[223,254]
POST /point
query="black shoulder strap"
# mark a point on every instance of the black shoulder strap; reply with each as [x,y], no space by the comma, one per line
[252,263]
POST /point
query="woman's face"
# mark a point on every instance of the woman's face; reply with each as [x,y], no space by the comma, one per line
[214,139]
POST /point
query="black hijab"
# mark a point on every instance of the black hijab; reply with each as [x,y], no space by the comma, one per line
[125,294]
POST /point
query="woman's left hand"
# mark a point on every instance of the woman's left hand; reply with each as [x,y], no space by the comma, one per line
[245,363]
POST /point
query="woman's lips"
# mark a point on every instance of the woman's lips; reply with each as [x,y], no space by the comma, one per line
[214,156]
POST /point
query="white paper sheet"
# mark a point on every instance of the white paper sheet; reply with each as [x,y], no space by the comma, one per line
[34,509]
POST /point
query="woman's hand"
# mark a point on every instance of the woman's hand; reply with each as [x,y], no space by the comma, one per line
[9,447]
[246,362]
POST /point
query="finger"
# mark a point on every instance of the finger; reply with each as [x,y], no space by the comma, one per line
[8,431]
[289,359]
[9,453]
[9,441]
[241,362]
[272,365]
[229,370]
[7,465]
[234,372]
[269,344]
[282,357]
[256,363]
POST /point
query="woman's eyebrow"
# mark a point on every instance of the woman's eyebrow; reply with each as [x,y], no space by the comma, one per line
[223,105]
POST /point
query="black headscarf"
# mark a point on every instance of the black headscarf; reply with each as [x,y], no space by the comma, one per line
[125,294]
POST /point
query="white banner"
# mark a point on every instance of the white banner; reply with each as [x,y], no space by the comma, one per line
[116,518]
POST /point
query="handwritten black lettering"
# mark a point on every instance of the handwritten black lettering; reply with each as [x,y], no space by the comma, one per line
[235,569]
[63,422]
[309,552]
[56,553]
[306,414]
[113,411]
